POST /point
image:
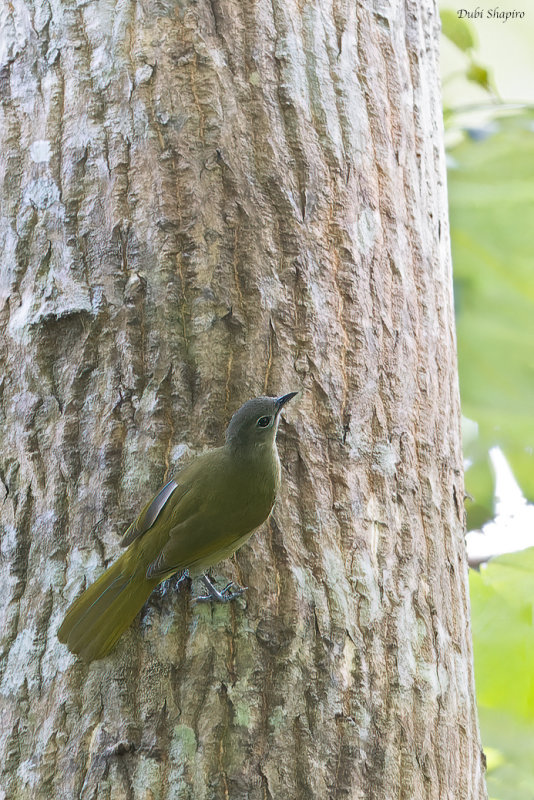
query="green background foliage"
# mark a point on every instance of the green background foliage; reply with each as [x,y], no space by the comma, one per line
[502,599]
[491,191]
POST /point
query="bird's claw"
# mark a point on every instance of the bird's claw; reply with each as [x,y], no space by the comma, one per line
[223,596]
[182,578]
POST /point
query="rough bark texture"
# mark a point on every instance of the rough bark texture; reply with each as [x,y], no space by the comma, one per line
[204,201]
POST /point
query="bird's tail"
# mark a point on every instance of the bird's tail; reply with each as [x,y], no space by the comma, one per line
[95,621]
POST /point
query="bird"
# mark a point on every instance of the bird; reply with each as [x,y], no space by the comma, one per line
[203,515]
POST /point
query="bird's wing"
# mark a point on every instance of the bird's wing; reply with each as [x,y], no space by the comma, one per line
[185,549]
[152,510]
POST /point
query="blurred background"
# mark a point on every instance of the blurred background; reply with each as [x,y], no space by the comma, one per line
[488,109]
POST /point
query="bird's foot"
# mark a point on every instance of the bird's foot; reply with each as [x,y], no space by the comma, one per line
[182,579]
[223,596]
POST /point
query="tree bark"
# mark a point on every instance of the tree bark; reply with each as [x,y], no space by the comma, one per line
[204,201]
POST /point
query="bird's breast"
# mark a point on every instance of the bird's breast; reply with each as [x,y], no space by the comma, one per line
[250,493]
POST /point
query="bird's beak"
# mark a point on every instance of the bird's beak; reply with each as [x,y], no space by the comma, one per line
[281,401]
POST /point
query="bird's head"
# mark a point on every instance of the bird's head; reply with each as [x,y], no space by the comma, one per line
[256,422]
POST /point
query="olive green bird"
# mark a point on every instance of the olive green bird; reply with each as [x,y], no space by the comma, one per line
[200,517]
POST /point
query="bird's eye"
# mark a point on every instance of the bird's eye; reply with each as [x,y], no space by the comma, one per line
[263,422]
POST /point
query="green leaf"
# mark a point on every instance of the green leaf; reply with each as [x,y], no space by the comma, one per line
[512,776]
[502,616]
[459,31]
[491,193]
[502,595]
[494,758]
[479,500]
[480,75]
[480,489]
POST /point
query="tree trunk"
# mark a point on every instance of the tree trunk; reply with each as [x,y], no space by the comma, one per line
[205,201]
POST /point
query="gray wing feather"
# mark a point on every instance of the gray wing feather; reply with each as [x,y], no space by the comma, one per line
[147,518]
